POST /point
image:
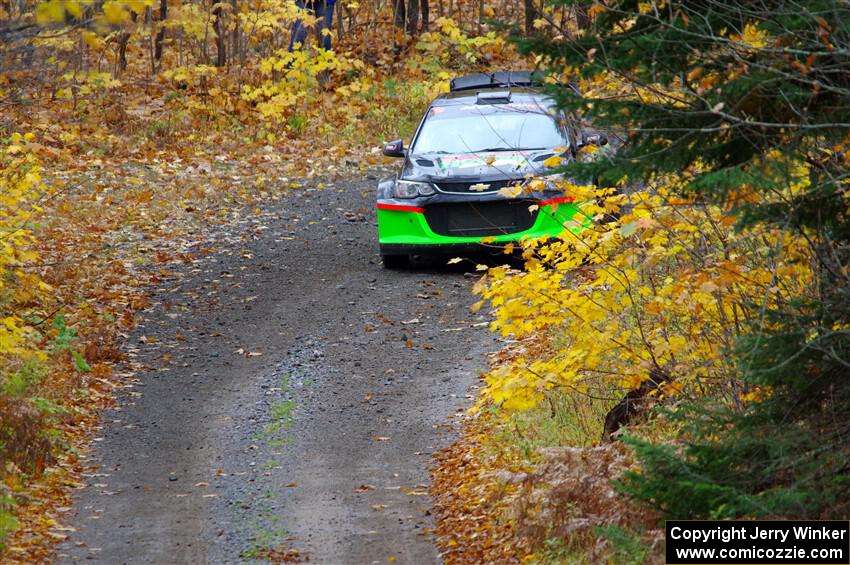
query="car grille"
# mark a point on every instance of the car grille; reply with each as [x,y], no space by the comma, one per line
[464,187]
[478,219]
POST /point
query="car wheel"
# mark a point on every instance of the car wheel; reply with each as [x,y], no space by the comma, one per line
[395,261]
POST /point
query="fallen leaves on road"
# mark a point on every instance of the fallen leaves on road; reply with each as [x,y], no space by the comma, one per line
[472,522]
[279,555]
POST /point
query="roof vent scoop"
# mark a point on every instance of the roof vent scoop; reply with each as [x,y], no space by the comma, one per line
[494,97]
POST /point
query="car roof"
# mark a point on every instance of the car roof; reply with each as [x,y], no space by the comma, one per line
[463,97]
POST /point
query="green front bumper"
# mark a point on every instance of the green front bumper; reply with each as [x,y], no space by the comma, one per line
[405,229]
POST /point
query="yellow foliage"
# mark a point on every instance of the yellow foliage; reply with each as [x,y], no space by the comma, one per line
[668,286]
[20,188]
[73,7]
[752,37]
[192,75]
[595,10]
[191,19]
[450,41]
[269,17]
[115,12]
[300,71]
[87,82]
[50,12]
[112,12]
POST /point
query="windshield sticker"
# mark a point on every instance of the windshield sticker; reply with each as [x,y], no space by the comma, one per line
[515,160]
[531,106]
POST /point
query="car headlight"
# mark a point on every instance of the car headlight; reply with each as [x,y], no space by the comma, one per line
[549,183]
[411,189]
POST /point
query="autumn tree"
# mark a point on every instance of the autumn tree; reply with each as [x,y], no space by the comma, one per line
[748,105]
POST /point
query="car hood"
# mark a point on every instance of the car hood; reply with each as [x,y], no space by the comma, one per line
[482,166]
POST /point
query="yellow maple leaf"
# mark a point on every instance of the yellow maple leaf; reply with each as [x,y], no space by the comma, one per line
[50,12]
[115,13]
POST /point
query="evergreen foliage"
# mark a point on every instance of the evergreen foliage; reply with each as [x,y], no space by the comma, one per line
[748,103]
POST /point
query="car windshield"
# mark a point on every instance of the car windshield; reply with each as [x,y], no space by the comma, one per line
[524,124]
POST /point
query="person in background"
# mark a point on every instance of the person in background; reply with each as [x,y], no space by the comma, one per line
[321,9]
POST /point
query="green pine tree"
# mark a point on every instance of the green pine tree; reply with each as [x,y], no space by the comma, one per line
[739,90]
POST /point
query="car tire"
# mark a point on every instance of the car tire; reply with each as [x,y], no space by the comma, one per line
[395,261]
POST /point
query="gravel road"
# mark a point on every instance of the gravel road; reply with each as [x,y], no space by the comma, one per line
[294,391]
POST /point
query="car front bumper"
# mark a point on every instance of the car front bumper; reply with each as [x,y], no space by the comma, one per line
[404,229]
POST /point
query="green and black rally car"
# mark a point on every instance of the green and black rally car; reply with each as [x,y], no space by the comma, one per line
[491,131]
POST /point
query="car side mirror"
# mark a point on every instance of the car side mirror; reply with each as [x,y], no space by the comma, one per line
[394,148]
[599,139]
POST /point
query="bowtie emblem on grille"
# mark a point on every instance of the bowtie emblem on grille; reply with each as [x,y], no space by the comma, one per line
[479,187]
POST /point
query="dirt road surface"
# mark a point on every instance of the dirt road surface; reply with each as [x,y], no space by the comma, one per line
[294,393]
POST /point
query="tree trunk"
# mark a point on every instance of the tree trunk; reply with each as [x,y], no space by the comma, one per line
[121,63]
[412,16]
[582,19]
[340,21]
[160,35]
[530,16]
[123,39]
[426,14]
[634,403]
[220,40]
[235,35]
[399,13]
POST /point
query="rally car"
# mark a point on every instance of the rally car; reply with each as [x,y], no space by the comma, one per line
[457,190]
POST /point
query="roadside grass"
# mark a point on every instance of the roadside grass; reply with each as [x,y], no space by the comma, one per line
[8,522]
[559,551]
[540,482]
[568,418]
[563,419]
[621,547]
[625,546]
